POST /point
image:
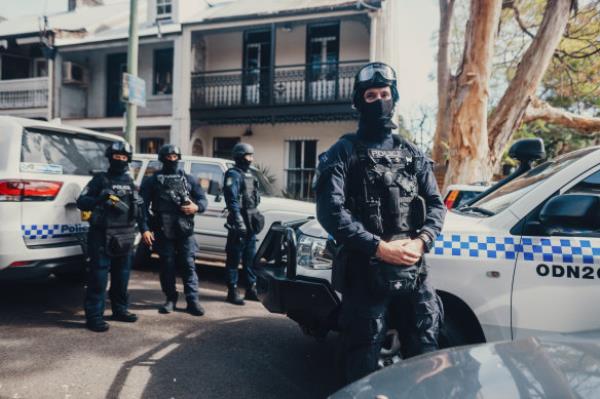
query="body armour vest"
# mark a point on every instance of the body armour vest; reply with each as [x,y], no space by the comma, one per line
[384,189]
[172,192]
[249,195]
[120,211]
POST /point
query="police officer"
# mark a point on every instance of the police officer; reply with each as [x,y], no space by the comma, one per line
[377,197]
[243,222]
[115,207]
[174,197]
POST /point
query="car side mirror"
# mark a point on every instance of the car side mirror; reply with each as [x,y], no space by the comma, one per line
[527,150]
[576,211]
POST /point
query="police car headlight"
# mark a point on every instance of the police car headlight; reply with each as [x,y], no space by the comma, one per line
[312,253]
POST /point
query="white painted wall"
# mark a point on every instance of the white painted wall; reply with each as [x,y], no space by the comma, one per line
[269,141]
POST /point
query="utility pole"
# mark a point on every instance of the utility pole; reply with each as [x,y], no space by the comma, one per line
[132,69]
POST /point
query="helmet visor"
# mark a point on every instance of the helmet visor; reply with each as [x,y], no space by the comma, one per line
[368,72]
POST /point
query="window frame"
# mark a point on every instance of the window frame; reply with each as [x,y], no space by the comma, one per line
[303,169]
[155,67]
[164,4]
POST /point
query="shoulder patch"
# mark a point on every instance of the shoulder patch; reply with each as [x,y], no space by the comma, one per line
[228,181]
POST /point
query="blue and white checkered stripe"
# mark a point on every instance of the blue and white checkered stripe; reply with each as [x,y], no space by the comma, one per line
[560,250]
[49,231]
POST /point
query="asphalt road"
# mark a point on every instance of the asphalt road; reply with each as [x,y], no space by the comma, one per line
[231,352]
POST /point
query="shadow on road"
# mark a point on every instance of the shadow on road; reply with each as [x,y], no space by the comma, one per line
[236,357]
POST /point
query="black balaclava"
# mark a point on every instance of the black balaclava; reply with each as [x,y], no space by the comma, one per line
[376,119]
[117,167]
[243,163]
[170,167]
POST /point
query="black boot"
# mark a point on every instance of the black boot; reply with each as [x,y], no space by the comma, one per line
[126,317]
[194,308]
[97,325]
[168,307]
[233,296]
[251,293]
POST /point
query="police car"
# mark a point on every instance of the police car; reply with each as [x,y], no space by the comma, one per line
[522,259]
[43,167]
[210,232]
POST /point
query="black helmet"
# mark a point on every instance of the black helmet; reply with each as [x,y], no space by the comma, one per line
[242,149]
[119,147]
[168,149]
[374,74]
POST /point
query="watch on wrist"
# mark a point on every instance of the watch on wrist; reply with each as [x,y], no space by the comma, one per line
[427,241]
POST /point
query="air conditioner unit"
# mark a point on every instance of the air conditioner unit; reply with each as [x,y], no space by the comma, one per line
[73,73]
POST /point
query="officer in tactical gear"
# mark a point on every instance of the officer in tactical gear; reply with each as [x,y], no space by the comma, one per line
[116,209]
[243,222]
[174,198]
[377,197]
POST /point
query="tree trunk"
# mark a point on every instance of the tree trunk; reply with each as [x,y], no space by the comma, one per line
[509,113]
[468,140]
[541,110]
[444,84]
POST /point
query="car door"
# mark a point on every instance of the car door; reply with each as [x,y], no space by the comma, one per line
[211,234]
[556,284]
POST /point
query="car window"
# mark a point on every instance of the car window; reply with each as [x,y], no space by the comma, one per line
[465,196]
[499,199]
[589,185]
[62,153]
[205,173]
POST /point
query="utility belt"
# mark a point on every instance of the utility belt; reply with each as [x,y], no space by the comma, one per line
[389,279]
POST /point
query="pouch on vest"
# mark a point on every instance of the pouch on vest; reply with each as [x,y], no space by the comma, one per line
[389,280]
[256,220]
[119,242]
[185,226]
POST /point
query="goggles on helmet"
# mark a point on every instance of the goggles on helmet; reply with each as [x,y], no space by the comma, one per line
[367,73]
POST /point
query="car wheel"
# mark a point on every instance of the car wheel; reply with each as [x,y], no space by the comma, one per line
[77,277]
[452,333]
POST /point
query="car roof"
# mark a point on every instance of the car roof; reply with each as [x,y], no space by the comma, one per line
[57,126]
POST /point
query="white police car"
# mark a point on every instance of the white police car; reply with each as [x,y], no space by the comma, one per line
[43,167]
[210,231]
[523,259]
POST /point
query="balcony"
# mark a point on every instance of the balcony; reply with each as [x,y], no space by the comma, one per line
[283,93]
[24,94]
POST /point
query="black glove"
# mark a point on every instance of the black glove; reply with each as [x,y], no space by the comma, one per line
[239,226]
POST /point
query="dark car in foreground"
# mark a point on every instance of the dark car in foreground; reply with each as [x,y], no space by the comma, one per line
[536,367]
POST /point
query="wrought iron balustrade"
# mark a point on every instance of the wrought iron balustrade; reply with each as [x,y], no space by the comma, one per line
[281,85]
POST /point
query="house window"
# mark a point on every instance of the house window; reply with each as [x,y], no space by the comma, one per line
[151,145]
[302,161]
[322,57]
[222,146]
[163,71]
[163,9]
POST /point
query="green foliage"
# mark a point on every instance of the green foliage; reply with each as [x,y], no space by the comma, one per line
[266,172]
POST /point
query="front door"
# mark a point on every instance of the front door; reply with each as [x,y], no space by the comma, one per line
[257,67]
[116,65]
[557,274]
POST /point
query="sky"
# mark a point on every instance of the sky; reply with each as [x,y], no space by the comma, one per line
[418,25]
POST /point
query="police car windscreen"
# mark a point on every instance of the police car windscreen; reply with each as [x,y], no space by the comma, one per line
[500,199]
[63,153]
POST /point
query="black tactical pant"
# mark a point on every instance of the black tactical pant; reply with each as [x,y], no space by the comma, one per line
[179,253]
[364,321]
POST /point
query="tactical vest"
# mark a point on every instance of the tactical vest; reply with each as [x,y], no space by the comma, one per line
[172,192]
[384,191]
[117,217]
[249,195]
[120,215]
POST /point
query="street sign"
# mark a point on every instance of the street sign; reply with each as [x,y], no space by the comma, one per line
[134,90]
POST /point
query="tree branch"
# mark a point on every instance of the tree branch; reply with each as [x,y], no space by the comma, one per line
[541,110]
